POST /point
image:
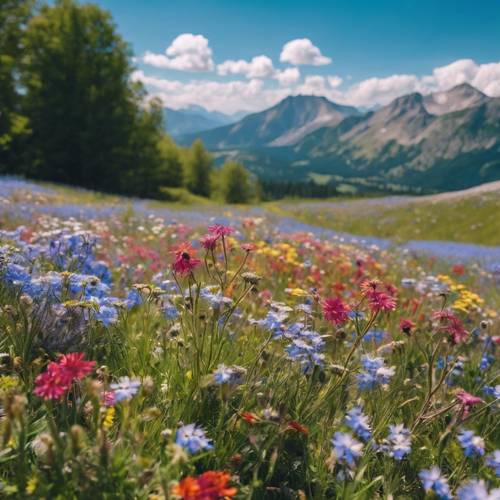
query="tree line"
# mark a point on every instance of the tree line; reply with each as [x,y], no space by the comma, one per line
[70,113]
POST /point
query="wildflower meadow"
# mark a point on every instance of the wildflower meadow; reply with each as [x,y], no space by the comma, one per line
[156,354]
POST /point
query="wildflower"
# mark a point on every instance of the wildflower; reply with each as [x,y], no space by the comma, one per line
[125,388]
[399,441]
[493,460]
[249,417]
[476,490]
[358,422]
[380,301]
[346,448]
[75,366]
[335,311]
[229,374]
[248,247]
[220,230]
[192,438]
[53,383]
[185,260]
[406,325]
[466,399]
[471,444]
[451,324]
[490,390]
[297,427]
[432,480]
[209,241]
[211,485]
[375,373]
[376,335]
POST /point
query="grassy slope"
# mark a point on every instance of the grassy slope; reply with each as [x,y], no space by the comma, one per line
[472,219]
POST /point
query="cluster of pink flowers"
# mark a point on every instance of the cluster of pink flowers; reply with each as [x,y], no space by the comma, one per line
[379,300]
[450,324]
[57,379]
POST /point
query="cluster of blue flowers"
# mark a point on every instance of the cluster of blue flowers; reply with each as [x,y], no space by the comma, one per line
[375,373]
[398,442]
[305,345]
[231,375]
[192,438]
[359,423]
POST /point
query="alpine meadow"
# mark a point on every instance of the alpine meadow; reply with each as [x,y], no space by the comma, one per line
[249,250]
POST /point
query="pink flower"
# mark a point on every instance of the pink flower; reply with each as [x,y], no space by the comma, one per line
[406,325]
[209,241]
[380,301]
[75,366]
[248,247]
[468,399]
[185,260]
[52,384]
[221,230]
[335,311]
[57,379]
[451,325]
[108,398]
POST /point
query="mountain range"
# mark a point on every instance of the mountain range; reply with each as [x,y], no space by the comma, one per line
[440,141]
[193,119]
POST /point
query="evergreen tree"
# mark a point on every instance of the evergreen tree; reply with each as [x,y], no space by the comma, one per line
[235,183]
[88,127]
[198,164]
[13,125]
[172,169]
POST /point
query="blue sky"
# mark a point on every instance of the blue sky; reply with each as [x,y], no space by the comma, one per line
[354,41]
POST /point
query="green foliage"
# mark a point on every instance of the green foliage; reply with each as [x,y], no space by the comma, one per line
[13,125]
[234,183]
[198,164]
[172,170]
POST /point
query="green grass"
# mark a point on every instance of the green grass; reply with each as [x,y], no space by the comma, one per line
[472,219]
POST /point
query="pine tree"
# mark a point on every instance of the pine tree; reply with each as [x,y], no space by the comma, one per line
[198,164]
[235,183]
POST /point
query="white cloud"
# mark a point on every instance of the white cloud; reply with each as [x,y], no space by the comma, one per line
[302,51]
[258,67]
[288,76]
[380,90]
[187,52]
[228,97]
[335,81]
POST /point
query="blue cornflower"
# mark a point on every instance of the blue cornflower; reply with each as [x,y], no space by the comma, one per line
[133,299]
[229,374]
[192,438]
[107,314]
[471,444]
[346,448]
[398,441]
[486,361]
[476,490]
[490,390]
[170,311]
[358,422]
[375,373]
[125,388]
[432,480]
[374,335]
[493,460]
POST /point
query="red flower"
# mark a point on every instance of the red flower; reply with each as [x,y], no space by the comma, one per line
[52,384]
[293,424]
[185,260]
[335,311]
[75,366]
[211,485]
[221,230]
[249,417]
[406,325]
[380,301]
[209,241]
[458,269]
[57,380]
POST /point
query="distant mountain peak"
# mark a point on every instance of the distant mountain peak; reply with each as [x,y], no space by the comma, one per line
[462,96]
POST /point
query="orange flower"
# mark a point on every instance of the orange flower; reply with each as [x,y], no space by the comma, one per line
[211,485]
[249,417]
[293,424]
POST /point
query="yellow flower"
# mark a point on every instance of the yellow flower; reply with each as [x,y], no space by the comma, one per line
[31,486]
[297,292]
[108,418]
